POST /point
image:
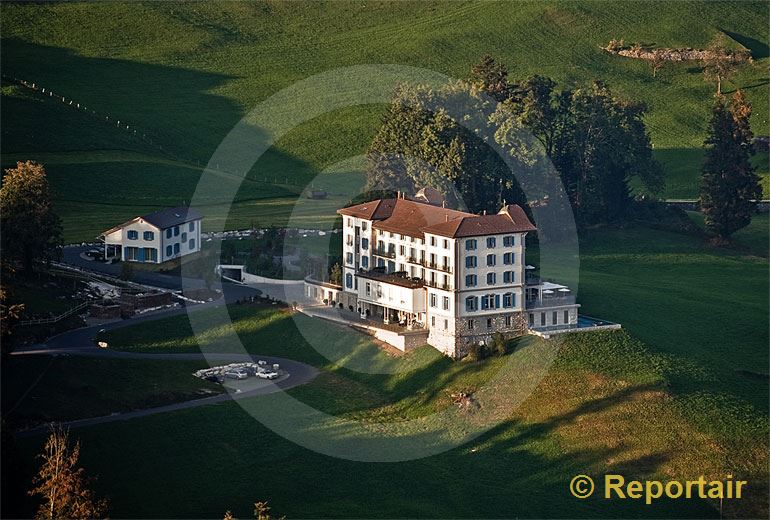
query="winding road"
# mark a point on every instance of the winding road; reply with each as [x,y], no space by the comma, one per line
[80,342]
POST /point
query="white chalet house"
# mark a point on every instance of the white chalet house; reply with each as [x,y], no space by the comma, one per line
[460,277]
[156,237]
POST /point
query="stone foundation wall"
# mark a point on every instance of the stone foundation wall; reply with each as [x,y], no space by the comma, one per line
[465,337]
[146,301]
[105,312]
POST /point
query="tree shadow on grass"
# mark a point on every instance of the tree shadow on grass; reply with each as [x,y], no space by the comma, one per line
[516,469]
[759,49]
[179,115]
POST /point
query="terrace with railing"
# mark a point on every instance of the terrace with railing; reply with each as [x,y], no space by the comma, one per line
[550,301]
[399,278]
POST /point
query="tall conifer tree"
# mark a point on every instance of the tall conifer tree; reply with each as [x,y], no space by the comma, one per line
[729,185]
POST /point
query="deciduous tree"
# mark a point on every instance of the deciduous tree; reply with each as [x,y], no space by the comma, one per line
[657,61]
[62,485]
[420,143]
[9,314]
[491,76]
[720,62]
[31,230]
[335,274]
[596,142]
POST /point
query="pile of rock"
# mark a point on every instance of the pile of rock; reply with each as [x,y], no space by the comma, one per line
[638,52]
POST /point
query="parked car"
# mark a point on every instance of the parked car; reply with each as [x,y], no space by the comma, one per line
[215,379]
[251,370]
[237,373]
[96,254]
[267,374]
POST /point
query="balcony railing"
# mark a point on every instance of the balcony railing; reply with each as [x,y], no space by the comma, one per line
[538,303]
[384,253]
[532,279]
[436,285]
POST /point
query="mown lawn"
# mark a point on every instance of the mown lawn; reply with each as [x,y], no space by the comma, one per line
[679,393]
[753,239]
[704,305]
[605,405]
[40,389]
[216,62]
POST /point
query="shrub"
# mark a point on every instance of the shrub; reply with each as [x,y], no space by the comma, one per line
[326,301]
[476,352]
[499,346]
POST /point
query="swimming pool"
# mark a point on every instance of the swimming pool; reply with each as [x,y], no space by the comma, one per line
[588,322]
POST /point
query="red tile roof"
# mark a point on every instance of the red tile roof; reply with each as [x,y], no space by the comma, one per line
[410,217]
[413,218]
[373,210]
[510,219]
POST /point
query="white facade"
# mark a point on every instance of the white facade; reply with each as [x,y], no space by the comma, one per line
[180,240]
[139,240]
[461,288]
[461,277]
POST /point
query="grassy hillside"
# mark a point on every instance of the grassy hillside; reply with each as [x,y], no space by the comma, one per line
[41,389]
[681,391]
[695,321]
[186,78]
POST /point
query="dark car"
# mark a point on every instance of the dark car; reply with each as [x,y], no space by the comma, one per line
[96,254]
[251,370]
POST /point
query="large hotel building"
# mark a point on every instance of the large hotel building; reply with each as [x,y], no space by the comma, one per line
[457,276]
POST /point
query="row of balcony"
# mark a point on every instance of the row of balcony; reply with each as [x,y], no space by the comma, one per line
[437,285]
[414,260]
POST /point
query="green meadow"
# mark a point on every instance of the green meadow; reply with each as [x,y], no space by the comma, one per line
[680,391]
[185,79]
[41,389]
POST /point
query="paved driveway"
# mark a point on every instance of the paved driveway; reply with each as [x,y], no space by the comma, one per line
[297,374]
[79,342]
[71,256]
